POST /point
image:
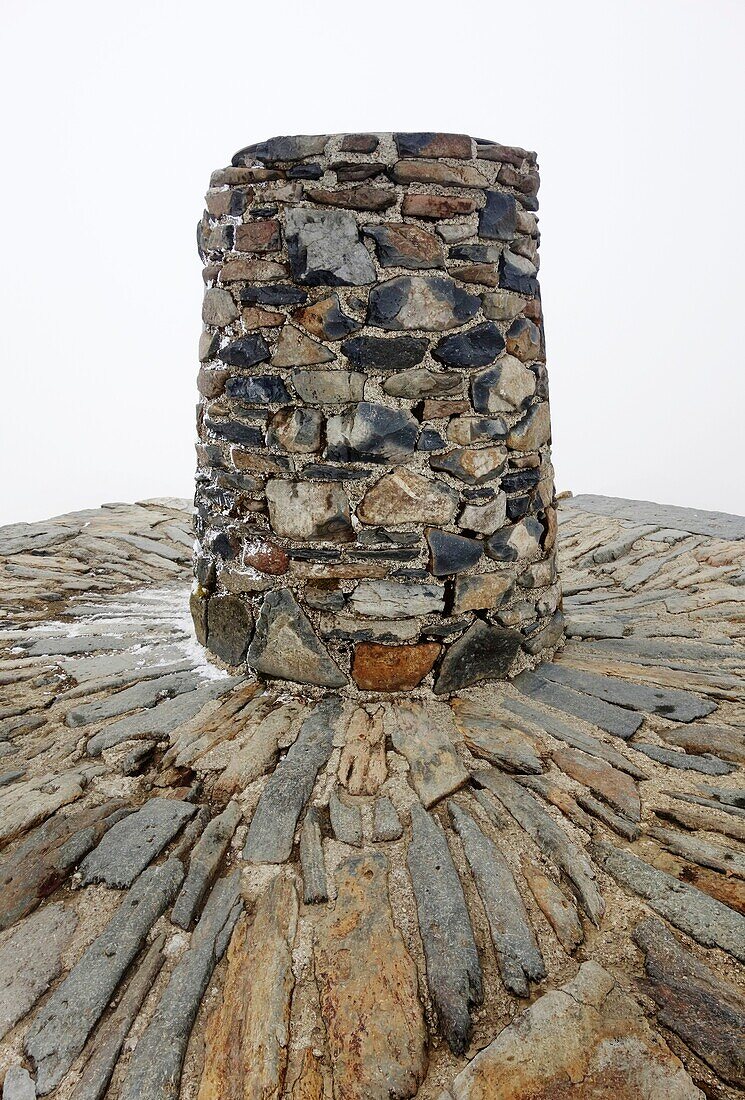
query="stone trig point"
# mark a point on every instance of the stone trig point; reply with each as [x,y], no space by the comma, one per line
[375,496]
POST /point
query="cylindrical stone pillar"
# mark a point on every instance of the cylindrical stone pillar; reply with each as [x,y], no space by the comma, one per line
[375,495]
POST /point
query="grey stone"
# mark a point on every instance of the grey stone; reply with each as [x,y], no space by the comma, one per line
[328,387]
[420,382]
[109,1039]
[700,916]
[489,736]
[271,833]
[277,150]
[285,646]
[385,352]
[550,837]
[296,430]
[301,510]
[518,274]
[450,553]
[61,1027]
[476,429]
[204,863]
[485,519]
[518,955]
[154,1070]
[505,387]
[346,821]
[218,308]
[435,769]
[390,599]
[229,625]
[475,347]
[315,886]
[718,525]
[420,302]
[679,706]
[248,351]
[691,847]
[130,845]
[518,541]
[325,247]
[707,765]
[18,1084]
[533,431]
[454,975]
[483,652]
[386,822]
[472,465]
[614,719]
[145,694]
[371,433]
[30,960]
[498,219]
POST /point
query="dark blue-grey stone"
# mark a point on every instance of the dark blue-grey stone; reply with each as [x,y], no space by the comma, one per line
[483,652]
[518,481]
[511,278]
[276,295]
[371,433]
[305,172]
[261,389]
[246,351]
[476,347]
[430,440]
[498,219]
[451,553]
[385,353]
[245,435]
[421,302]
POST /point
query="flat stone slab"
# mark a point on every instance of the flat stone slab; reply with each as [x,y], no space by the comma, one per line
[718,525]
[130,845]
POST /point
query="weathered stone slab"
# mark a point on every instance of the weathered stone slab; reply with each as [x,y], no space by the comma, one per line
[383,599]
[614,787]
[587,1039]
[272,830]
[154,1071]
[205,860]
[616,720]
[487,736]
[368,986]
[325,247]
[131,844]
[362,765]
[718,857]
[706,765]
[549,837]
[103,1050]
[285,646]
[18,1084]
[436,769]
[386,822]
[454,973]
[718,525]
[247,1036]
[678,706]
[30,960]
[705,1010]
[145,694]
[558,910]
[60,1029]
[483,652]
[518,956]
[701,737]
[404,496]
[701,917]
[346,821]
[315,885]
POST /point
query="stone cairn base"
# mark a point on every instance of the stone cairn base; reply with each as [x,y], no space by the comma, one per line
[375,496]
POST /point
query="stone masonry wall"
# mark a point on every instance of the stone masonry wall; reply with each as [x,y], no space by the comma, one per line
[375,495]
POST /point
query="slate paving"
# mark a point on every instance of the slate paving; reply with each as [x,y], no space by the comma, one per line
[206,874]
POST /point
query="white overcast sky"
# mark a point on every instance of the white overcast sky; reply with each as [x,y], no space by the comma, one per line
[114,114]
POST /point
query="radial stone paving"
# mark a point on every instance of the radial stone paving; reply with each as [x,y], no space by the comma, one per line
[220,887]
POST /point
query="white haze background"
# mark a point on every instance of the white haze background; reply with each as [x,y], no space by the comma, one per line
[115,114]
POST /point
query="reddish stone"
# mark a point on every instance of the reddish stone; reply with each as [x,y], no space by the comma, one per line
[353,198]
[255,317]
[392,667]
[447,175]
[244,175]
[484,274]
[435,408]
[506,154]
[261,235]
[526,183]
[267,557]
[436,206]
[354,171]
[401,244]
[457,146]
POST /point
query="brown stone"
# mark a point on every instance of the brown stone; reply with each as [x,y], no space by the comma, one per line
[586,1040]
[261,235]
[362,767]
[480,591]
[526,183]
[559,911]
[434,408]
[368,986]
[303,510]
[220,203]
[211,383]
[474,465]
[363,197]
[401,244]
[295,349]
[483,274]
[392,667]
[359,143]
[428,743]
[247,1035]
[615,787]
[524,340]
[325,319]
[457,146]
[436,206]
[446,175]
[251,463]
[252,270]
[405,496]
[256,317]
[533,431]
[265,556]
[307,1082]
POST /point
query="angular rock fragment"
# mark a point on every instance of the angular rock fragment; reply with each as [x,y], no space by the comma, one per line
[285,646]
[385,352]
[246,351]
[518,274]
[132,844]
[386,599]
[524,340]
[279,149]
[502,305]
[328,387]
[30,960]
[614,787]
[493,739]
[368,988]
[219,308]
[420,302]
[518,956]
[445,175]
[456,146]
[706,765]
[247,1035]
[423,382]
[505,387]
[61,1027]
[549,837]
[436,206]
[295,349]
[577,1040]
[435,769]
[271,833]
[259,389]
[472,465]
[697,850]
[325,247]
[18,1084]
[485,519]
[450,553]
[259,235]
[402,244]
[315,887]
[296,430]
[362,197]
[705,1010]
[475,347]
[518,541]
[154,1070]
[392,667]
[701,917]
[498,219]
[476,429]
[299,510]
[454,973]
[559,911]
[346,821]
[386,822]
[325,319]
[204,863]
[483,652]
[533,431]
[229,626]
[404,496]
[371,433]
[362,767]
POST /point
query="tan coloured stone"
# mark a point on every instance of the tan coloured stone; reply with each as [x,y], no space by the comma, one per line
[256,317]
[502,305]
[532,431]
[446,175]
[435,769]
[559,911]
[484,274]
[362,767]
[302,510]
[405,496]
[480,591]
[368,986]
[434,408]
[218,307]
[392,667]
[247,1035]
[586,1040]
[485,519]
[295,349]
[615,787]
[307,1083]
[436,206]
[253,270]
